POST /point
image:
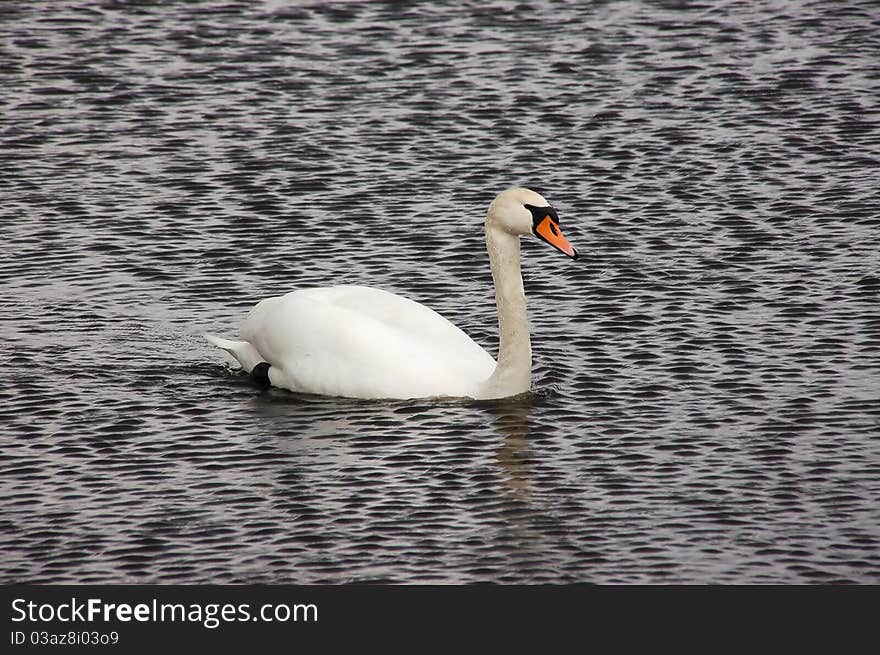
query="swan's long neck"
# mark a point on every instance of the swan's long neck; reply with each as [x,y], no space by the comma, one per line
[513,372]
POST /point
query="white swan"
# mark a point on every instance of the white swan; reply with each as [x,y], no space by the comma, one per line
[361,342]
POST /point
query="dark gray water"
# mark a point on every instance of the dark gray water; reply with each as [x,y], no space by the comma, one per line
[706,401]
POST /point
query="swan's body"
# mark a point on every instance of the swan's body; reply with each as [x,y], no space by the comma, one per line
[362,342]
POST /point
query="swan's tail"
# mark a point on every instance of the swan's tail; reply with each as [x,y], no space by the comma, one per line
[243,351]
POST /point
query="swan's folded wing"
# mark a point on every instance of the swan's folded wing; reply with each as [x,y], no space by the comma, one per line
[365,342]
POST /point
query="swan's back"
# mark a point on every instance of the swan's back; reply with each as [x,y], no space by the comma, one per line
[364,342]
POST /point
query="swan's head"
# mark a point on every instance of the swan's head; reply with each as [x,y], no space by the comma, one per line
[521,211]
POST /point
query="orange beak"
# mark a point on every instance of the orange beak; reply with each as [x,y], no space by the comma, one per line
[548,230]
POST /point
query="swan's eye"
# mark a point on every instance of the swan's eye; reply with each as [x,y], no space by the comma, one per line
[541,213]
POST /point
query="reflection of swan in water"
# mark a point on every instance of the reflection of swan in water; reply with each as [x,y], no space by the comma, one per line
[328,438]
[511,418]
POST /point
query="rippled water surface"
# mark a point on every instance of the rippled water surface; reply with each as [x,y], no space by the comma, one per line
[706,402]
